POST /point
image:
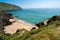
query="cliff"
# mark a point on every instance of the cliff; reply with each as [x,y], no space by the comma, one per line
[8,7]
[4,19]
[50,31]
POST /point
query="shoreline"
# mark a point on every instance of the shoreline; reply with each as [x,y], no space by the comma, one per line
[18,25]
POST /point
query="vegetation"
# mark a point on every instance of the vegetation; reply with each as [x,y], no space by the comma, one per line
[51,31]
[8,7]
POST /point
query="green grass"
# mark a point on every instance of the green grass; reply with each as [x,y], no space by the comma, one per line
[48,32]
[8,7]
[44,33]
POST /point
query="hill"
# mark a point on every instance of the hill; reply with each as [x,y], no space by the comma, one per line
[8,7]
[51,31]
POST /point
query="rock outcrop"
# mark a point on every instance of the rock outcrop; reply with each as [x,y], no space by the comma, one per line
[54,18]
[4,19]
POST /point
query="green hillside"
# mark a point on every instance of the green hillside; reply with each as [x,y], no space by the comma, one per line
[48,32]
[8,7]
[51,31]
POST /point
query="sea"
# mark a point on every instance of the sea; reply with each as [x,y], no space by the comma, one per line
[35,16]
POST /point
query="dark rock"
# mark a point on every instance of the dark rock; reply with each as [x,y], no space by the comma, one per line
[54,18]
[40,24]
[17,30]
[4,19]
[33,28]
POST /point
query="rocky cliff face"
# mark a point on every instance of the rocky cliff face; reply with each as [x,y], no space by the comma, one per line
[4,19]
[8,7]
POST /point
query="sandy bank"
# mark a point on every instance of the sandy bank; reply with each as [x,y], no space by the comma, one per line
[18,24]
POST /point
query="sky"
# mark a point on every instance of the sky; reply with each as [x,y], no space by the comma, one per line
[34,3]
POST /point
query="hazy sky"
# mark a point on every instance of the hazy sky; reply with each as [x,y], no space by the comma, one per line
[35,3]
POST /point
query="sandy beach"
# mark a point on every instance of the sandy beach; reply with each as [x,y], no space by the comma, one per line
[18,24]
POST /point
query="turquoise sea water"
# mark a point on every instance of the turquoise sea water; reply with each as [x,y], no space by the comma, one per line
[35,15]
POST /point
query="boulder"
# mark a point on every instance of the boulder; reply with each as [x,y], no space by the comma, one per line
[40,24]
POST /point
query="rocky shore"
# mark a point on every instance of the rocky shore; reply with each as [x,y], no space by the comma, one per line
[46,22]
[4,19]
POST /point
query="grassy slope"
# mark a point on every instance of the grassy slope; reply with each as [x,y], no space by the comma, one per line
[48,32]
[6,6]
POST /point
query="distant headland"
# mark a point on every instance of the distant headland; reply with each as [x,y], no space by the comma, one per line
[8,7]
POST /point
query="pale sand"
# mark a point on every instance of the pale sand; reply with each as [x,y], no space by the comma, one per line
[45,22]
[19,24]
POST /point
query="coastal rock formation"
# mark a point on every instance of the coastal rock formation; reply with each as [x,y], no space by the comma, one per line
[54,18]
[4,19]
[40,24]
[8,7]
